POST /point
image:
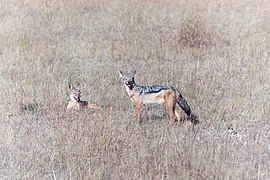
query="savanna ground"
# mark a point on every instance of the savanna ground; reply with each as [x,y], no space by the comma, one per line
[216,52]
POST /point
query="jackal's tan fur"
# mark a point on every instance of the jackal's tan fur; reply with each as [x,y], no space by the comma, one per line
[75,101]
[166,95]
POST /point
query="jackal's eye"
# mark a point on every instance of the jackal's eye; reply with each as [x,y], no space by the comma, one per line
[126,80]
[77,93]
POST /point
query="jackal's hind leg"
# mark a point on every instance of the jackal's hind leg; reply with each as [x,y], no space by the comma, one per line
[178,118]
[170,107]
[170,101]
[170,111]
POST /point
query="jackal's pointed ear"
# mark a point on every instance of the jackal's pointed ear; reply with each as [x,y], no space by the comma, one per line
[70,86]
[120,73]
[134,72]
[77,84]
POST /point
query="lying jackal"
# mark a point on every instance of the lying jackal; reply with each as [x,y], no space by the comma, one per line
[154,94]
[75,101]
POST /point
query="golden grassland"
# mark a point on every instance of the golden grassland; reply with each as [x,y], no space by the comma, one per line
[216,52]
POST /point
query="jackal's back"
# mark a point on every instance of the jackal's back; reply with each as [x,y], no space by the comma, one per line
[151,89]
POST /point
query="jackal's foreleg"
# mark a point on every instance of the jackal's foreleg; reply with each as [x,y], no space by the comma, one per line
[138,109]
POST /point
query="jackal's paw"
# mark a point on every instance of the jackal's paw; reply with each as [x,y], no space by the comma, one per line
[93,106]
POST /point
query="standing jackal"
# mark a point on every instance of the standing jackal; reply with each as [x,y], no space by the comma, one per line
[75,101]
[154,94]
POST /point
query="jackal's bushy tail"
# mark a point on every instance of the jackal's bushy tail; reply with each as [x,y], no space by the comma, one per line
[183,104]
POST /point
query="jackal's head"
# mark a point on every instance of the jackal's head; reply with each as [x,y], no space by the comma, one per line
[128,78]
[74,91]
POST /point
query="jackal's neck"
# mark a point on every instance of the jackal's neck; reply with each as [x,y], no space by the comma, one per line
[75,100]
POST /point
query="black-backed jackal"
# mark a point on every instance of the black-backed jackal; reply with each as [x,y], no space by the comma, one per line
[154,94]
[75,101]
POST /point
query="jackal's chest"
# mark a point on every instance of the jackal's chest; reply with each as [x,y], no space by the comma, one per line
[131,93]
[74,105]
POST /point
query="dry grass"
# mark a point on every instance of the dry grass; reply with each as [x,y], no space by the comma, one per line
[215,52]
